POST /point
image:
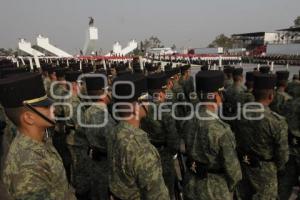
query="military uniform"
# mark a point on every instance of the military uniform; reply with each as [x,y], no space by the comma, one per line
[293,88]
[162,133]
[136,171]
[262,146]
[289,178]
[37,170]
[135,166]
[281,97]
[72,129]
[213,167]
[97,148]
[33,169]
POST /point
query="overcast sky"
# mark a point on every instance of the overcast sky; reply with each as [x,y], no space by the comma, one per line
[186,23]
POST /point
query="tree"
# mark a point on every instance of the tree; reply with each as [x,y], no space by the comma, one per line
[222,41]
[297,21]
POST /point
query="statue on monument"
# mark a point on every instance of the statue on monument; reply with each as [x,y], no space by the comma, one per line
[91,23]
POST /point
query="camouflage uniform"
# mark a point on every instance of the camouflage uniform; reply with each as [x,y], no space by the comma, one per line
[228,83]
[263,150]
[279,102]
[164,136]
[232,96]
[9,132]
[289,178]
[211,144]
[96,139]
[34,170]
[293,88]
[59,132]
[72,128]
[47,85]
[135,167]
[3,192]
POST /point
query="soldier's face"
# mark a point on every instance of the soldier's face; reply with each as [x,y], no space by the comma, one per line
[47,112]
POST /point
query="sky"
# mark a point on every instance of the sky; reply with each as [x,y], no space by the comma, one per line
[185,23]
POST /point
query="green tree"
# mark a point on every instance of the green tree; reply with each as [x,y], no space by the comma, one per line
[222,41]
[297,21]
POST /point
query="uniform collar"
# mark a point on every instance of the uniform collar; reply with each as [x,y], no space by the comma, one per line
[27,142]
[133,129]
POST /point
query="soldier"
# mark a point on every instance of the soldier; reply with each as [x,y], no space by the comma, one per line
[264,69]
[232,96]
[293,87]
[186,81]
[228,70]
[290,177]
[48,77]
[162,130]
[33,168]
[212,163]
[135,167]
[281,97]
[72,126]
[99,124]
[247,96]
[262,141]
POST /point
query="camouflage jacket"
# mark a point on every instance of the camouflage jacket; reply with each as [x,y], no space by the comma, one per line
[161,131]
[293,89]
[292,114]
[212,143]
[47,85]
[232,96]
[228,83]
[34,170]
[266,137]
[279,102]
[98,116]
[136,171]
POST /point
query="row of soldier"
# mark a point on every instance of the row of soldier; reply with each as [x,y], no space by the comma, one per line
[136,157]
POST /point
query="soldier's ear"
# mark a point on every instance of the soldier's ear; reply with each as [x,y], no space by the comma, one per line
[28,118]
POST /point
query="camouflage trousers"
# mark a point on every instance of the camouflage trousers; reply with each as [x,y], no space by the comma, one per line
[289,178]
[168,169]
[99,179]
[262,180]
[214,187]
[80,171]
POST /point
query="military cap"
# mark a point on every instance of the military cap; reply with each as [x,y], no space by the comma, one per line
[72,76]
[74,66]
[156,81]
[238,72]
[249,76]
[8,65]
[9,71]
[95,83]
[99,66]
[185,68]
[282,75]
[60,72]
[168,67]
[120,67]
[204,68]
[124,92]
[264,69]
[23,88]
[209,81]
[124,72]
[87,69]
[137,68]
[228,69]
[176,70]
[264,81]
